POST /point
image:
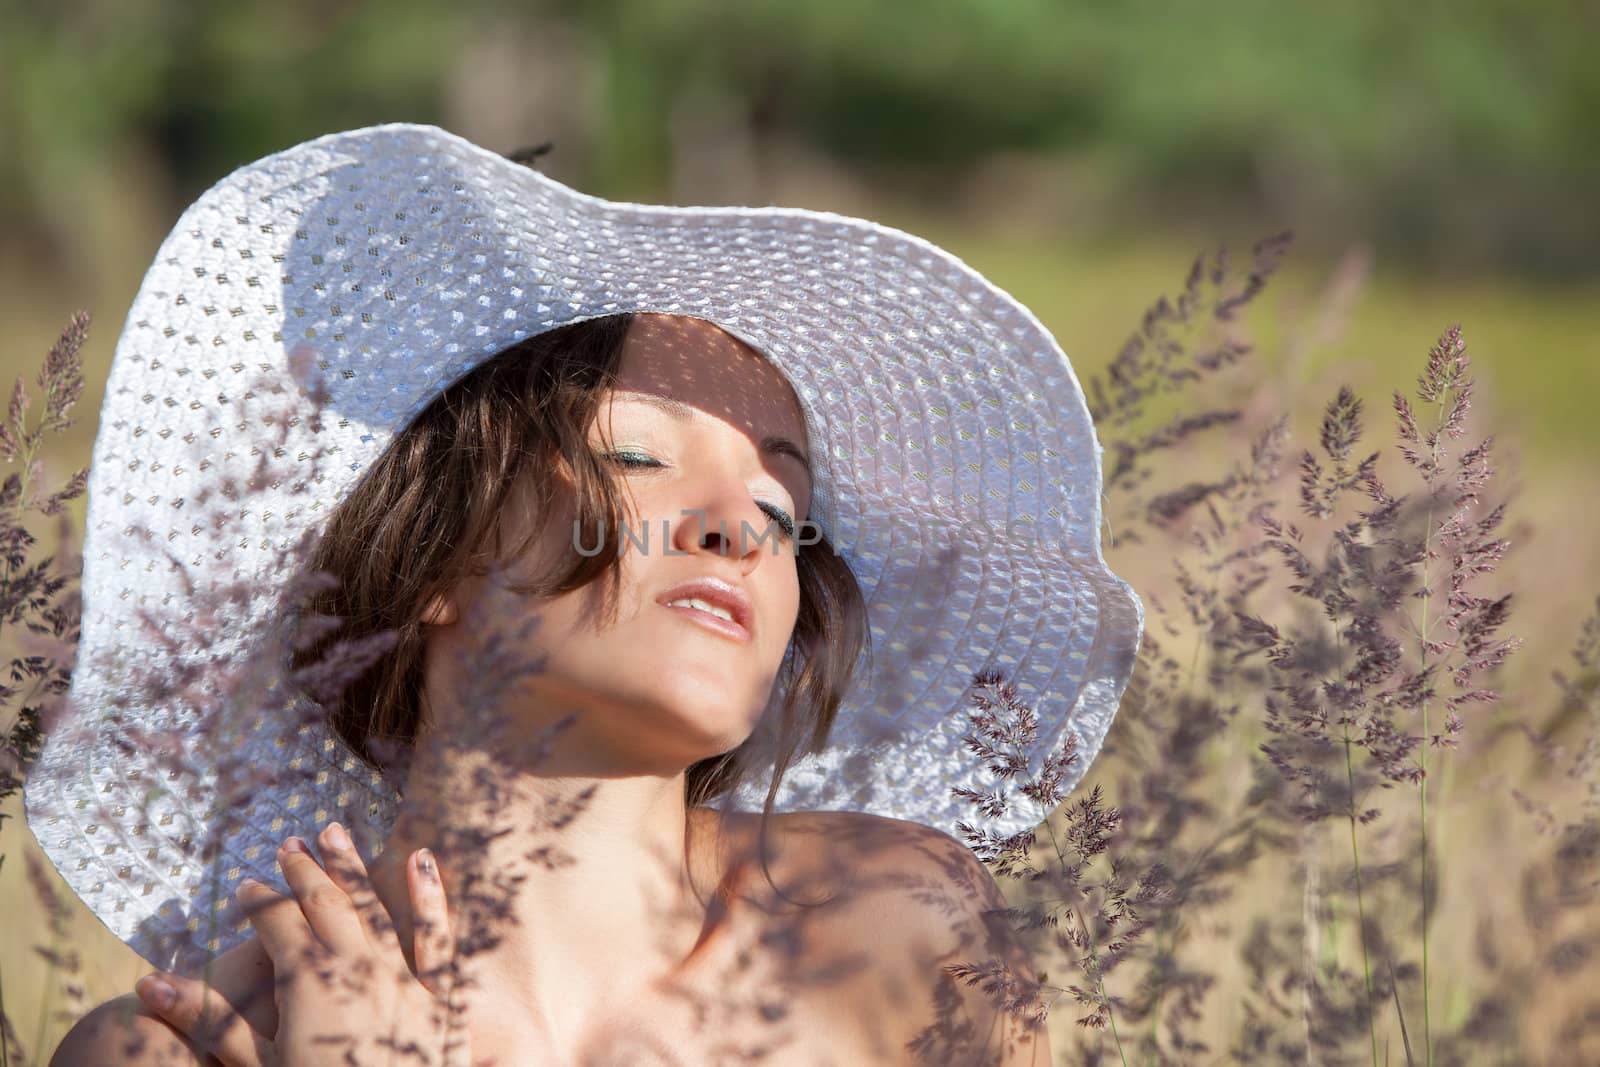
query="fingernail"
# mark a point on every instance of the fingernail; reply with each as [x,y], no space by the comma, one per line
[156,992]
[294,844]
[425,865]
[336,836]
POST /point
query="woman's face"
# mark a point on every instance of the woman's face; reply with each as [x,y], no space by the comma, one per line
[708,446]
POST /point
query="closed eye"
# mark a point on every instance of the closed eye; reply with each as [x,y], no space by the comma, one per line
[632,459]
[639,460]
[784,520]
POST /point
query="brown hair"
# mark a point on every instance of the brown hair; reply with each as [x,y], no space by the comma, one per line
[421,518]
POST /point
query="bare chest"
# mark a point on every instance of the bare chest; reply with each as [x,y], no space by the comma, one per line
[733,1028]
[774,983]
[709,1030]
[776,991]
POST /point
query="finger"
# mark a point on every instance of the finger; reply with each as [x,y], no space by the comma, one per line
[432,944]
[345,867]
[204,1016]
[326,906]
[282,927]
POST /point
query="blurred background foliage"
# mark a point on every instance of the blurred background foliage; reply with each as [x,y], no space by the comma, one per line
[1437,163]
[1461,134]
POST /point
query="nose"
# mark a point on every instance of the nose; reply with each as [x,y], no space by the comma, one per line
[724,521]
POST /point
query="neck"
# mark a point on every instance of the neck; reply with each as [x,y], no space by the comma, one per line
[565,891]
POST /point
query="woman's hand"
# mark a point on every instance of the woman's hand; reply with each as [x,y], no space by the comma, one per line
[344,990]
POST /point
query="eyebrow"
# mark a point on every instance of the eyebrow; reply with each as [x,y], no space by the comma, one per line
[682,412]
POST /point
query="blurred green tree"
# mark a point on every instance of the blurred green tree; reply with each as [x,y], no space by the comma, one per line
[1449,131]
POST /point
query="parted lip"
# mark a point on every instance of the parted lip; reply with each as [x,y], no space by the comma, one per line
[716,591]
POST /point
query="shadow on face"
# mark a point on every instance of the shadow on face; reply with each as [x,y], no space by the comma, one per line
[708,444]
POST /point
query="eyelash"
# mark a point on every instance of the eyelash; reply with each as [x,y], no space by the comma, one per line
[784,520]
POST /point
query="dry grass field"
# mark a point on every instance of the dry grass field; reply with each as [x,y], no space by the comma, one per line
[1505,925]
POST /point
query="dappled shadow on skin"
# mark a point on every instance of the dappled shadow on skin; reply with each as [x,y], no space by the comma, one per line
[780,961]
[820,948]
[907,905]
[813,953]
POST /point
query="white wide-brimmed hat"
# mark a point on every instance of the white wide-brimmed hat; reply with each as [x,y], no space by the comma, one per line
[956,471]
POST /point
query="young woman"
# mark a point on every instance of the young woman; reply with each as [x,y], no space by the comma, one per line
[580,604]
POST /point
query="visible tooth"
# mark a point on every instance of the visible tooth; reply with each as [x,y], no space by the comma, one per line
[696,602]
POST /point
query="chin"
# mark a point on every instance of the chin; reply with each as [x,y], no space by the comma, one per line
[703,712]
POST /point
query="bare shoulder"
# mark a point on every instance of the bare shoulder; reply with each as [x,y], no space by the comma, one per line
[947,970]
[878,857]
[123,1031]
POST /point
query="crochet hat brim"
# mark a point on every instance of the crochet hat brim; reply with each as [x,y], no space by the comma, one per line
[957,471]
